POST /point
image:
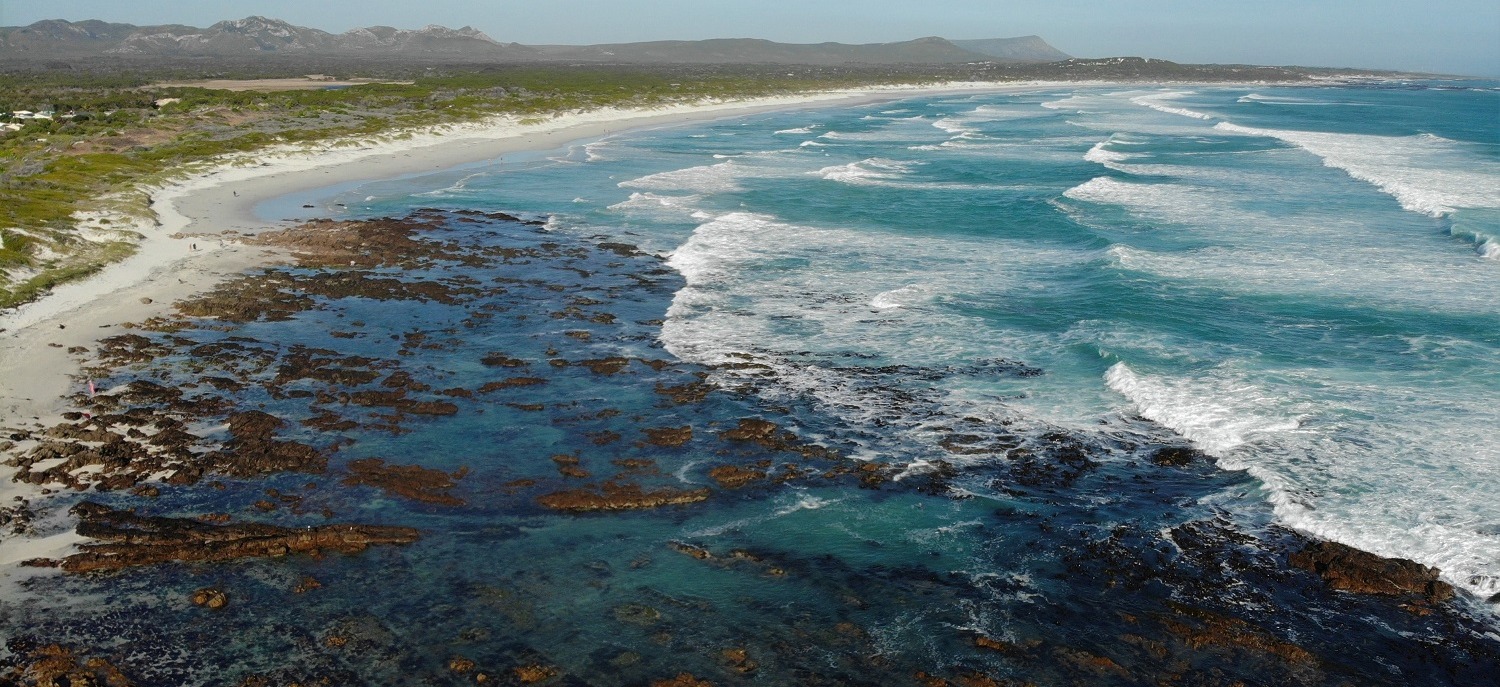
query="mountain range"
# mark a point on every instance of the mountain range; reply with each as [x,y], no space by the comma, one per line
[252,36]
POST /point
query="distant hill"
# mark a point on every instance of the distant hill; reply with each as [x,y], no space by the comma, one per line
[240,38]
[1022,49]
[260,36]
[931,50]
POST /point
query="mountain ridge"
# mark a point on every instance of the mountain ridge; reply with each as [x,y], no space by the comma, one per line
[258,35]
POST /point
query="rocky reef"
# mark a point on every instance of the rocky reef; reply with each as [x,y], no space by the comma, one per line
[444,449]
[122,539]
[1348,569]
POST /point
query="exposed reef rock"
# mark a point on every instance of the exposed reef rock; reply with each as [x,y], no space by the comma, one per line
[1101,561]
[770,436]
[682,680]
[734,476]
[53,665]
[684,394]
[210,598]
[511,383]
[1199,629]
[410,481]
[1176,456]
[501,360]
[251,451]
[1348,569]
[130,540]
[368,244]
[615,496]
[670,437]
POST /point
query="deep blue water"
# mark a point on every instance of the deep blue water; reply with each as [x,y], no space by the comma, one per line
[1010,300]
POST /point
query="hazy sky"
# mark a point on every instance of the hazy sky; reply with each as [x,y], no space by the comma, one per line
[1459,36]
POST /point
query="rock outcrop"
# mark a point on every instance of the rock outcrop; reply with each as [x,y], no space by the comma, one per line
[615,496]
[410,481]
[127,540]
[1348,569]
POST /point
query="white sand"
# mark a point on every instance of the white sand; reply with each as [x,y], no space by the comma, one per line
[36,372]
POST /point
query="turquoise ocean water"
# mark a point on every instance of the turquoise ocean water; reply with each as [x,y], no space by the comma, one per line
[1303,283]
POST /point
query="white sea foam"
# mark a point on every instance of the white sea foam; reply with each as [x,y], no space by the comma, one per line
[867,171]
[717,178]
[896,174]
[1101,154]
[999,113]
[787,504]
[803,131]
[953,125]
[905,296]
[1485,245]
[1176,203]
[1073,102]
[456,189]
[793,297]
[1287,100]
[1159,102]
[805,501]
[895,131]
[757,286]
[1217,420]
[1396,488]
[1361,275]
[595,152]
[1425,173]
[653,204]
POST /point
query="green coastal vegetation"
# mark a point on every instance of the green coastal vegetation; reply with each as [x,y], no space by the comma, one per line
[72,180]
[105,137]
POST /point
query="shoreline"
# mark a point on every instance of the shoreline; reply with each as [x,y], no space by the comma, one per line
[1240,550]
[210,208]
[191,245]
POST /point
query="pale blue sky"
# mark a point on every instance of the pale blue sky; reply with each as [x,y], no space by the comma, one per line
[1458,36]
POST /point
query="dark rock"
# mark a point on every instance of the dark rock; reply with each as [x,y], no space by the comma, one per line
[210,598]
[1348,569]
[54,665]
[683,394]
[734,477]
[130,540]
[669,436]
[682,680]
[615,496]
[604,366]
[410,481]
[511,383]
[1199,628]
[502,360]
[1176,456]
[534,673]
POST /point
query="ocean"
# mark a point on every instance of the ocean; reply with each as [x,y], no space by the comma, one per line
[989,314]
